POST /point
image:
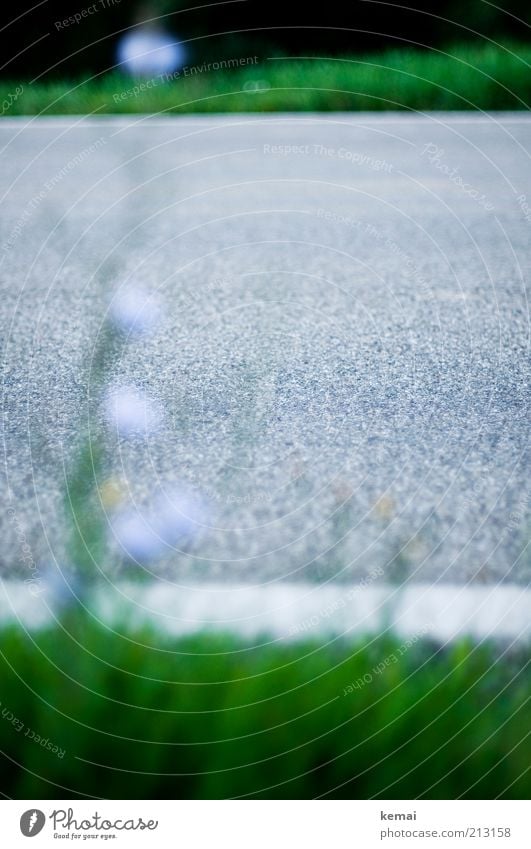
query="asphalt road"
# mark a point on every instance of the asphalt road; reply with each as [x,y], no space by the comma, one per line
[342,350]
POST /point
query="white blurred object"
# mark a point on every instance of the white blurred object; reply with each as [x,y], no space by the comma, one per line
[148,51]
[498,612]
[135,536]
[134,310]
[173,519]
[131,411]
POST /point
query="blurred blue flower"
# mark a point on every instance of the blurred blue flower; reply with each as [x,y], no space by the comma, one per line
[62,587]
[134,310]
[130,411]
[173,519]
[149,51]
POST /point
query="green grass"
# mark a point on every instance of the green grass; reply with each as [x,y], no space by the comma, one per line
[473,76]
[211,717]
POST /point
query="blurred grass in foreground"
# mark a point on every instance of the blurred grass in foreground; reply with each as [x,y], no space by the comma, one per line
[145,716]
[466,77]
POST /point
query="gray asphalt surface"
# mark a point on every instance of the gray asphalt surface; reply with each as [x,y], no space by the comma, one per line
[343,349]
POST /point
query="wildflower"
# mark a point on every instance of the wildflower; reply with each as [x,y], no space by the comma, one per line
[172,520]
[133,310]
[112,492]
[131,411]
[61,586]
[149,50]
[136,536]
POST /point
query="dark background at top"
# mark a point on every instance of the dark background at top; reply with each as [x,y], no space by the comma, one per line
[235,29]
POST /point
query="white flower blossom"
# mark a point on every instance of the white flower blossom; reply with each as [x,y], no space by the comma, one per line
[171,521]
[134,310]
[135,536]
[149,51]
[131,411]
